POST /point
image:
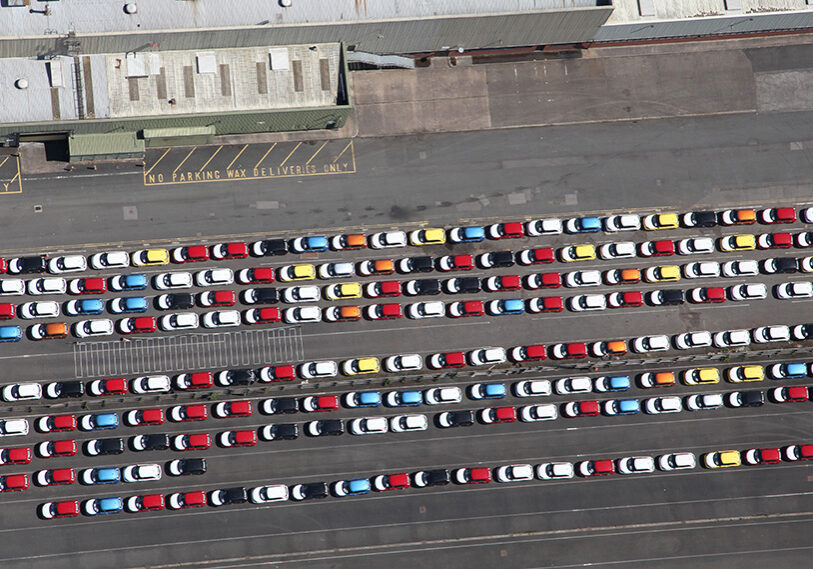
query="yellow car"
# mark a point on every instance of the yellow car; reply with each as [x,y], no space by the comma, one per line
[359,366]
[738,243]
[662,273]
[146,257]
[429,236]
[296,273]
[699,375]
[722,459]
[340,291]
[745,373]
[578,253]
[660,221]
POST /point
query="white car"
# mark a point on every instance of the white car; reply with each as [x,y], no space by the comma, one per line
[294,294]
[623,222]
[514,473]
[800,289]
[695,246]
[585,302]
[765,334]
[388,239]
[110,260]
[537,227]
[141,472]
[151,384]
[404,423]
[178,321]
[214,277]
[621,250]
[433,309]
[644,344]
[658,405]
[676,461]
[581,278]
[732,338]
[442,395]
[67,264]
[701,270]
[10,287]
[704,401]
[13,427]
[635,465]
[368,426]
[313,370]
[302,315]
[740,269]
[168,281]
[806,215]
[43,309]
[689,340]
[554,470]
[568,385]
[22,392]
[755,291]
[335,270]
[533,413]
[97,327]
[403,362]
[804,239]
[221,319]
[806,264]
[267,494]
[47,285]
[532,388]
[487,356]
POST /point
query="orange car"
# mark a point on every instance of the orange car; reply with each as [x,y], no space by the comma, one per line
[738,217]
[342,313]
[378,267]
[622,276]
[348,242]
[657,379]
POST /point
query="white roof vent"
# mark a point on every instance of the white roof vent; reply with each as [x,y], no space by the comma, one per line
[285,3]
[21,83]
[130,8]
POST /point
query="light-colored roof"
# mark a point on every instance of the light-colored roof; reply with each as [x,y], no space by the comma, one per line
[629,11]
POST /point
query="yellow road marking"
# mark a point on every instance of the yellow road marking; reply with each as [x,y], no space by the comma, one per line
[4,161]
[264,155]
[309,159]
[184,160]
[210,158]
[236,157]
[289,155]
[156,164]
[349,144]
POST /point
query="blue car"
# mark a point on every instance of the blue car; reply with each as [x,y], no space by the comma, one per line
[507,306]
[103,506]
[403,398]
[107,475]
[362,399]
[354,487]
[99,421]
[613,383]
[316,244]
[487,391]
[129,282]
[10,333]
[621,407]
[583,225]
[84,306]
[128,304]
[792,370]
[471,234]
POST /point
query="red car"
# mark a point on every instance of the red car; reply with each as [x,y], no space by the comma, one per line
[389,311]
[56,423]
[109,386]
[236,250]
[568,351]
[660,248]
[192,441]
[529,353]
[194,499]
[455,263]
[447,360]
[477,475]
[383,288]
[14,483]
[217,298]
[596,467]
[3,265]
[582,409]
[15,455]
[315,403]
[498,415]
[545,304]
[703,295]
[397,481]
[543,280]
[775,241]
[502,283]
[794,394]
[762,456]
[180,413]
[246,438]
[7,310]
[148,503]
[256,275]
[55,477]
[466,308]
[190,254]
[799,452]
[625,299]
[278,373]
[67,509]
[137,325]
[777,215]
[268,315]
[140,417]
[505,231]
[227,409]
[536,256]
[197,380]
[94,285]
[66,447]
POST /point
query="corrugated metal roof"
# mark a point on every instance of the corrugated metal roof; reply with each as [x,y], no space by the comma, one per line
[104,144]
[628,11]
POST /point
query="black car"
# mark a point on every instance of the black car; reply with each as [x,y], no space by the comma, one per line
[312,491]
[462,285]
[416,265]
[780,265]
[422,287]
[280,405]
[269,247]
[63,389]
[456,419]
[281,431]
[667,297]
[176,300]
[28,265]
[237,377]
[267,295]
[150,442]
[324,428]
[186,466]
[700,219]
[237,495]
[496,259]
[438,477]
[100,447]
[746,399]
